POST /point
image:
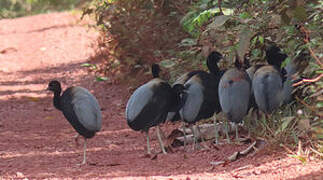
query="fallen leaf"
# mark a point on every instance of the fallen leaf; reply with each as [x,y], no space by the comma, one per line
[234,156]
[20,174]
[154,157]
[215,163]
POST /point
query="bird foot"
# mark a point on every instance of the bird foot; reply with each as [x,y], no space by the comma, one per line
[146,155]
[81,164]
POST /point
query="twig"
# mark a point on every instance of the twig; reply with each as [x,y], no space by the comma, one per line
[316,152]
[220,7]
[308,106]
[179,8]
[308,80]
[300,150]
[307,40]
[315,57]
[287,149]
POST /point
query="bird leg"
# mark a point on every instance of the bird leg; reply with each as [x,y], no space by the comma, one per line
[76,138]
[160,140]
[237,133]
[84,153]
[162,133]
[227,131]
[216,131]
[184,131]
[148,145]
[202,137]
[196,144]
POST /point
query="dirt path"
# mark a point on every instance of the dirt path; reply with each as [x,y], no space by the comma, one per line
[37,142]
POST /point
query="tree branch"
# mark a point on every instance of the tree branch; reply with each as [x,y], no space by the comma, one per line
[308,80]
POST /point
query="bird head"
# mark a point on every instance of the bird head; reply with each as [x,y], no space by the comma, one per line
[274,55]
[54,86]
[214,56]
[155,69]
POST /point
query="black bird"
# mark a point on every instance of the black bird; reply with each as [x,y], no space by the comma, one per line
[149,105]
[234,94]
[201,99]
[267,83]
[80,108]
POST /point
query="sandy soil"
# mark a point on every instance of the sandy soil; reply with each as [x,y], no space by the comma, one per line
[37,142]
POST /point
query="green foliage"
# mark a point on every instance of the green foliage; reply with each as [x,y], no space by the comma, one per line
[252,26]
[202,12]
[194,20]
[17,8]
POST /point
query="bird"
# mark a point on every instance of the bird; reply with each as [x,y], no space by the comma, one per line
[80,108]
[200,100]
[234,94]
[267,83]
[149,105]
[293,68]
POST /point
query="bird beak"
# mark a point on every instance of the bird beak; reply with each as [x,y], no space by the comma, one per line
[47,89]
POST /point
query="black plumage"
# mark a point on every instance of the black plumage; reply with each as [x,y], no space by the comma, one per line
[80,108]
[201,99]
[149,105]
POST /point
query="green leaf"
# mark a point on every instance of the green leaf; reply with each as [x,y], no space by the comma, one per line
[286,61]
[100,78]
[86,65]
[168,63]
[254,40]
[261,39]
[187,42]
[245,15]
[319,105]
[255,52]
[227,11]
[220,20]
[300,13]
[301,158]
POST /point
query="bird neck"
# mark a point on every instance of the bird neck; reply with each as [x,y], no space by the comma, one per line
[155,75]
[57,100]
[213,68]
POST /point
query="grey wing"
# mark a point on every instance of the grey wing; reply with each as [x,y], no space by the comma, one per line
[87,110]
[137,101]
[193,101]
[234,98]
[224,94]
[241,94]
[288,84]
[275,90]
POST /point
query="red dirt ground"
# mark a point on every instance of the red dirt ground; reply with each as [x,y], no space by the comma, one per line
[37,142]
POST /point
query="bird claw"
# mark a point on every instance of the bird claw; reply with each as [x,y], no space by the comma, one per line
[81,164]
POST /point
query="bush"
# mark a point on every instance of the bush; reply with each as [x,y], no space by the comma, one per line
[136,32]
